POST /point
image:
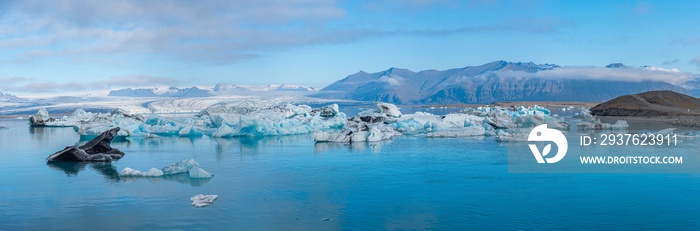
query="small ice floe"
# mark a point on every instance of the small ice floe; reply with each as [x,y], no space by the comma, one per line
[153,172]
[597,125]
[202,200]
[191,167]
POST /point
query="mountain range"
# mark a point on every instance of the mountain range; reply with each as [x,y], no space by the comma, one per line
[4,97]
[483,84]
[157,92]
[218,89]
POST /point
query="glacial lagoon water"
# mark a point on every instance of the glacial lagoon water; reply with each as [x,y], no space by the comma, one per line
[290,183]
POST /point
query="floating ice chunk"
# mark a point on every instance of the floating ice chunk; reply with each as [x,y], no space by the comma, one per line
[375,135]
[42,114]
[130,172]
[360,136]
[389,109]
[190,131]
[197,172]
[191,167]
[358,130]
[327,111]
[202,200]
[459,132]
[181,167]
[223,131]
[513,135]
[618,125]
[153,172]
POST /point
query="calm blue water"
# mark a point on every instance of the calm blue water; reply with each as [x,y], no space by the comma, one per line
[289,183]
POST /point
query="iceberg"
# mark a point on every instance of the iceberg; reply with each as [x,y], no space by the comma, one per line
[191,167]
[590,122]
[198,172]
[97,149]
[513,135]
[618,125]
[459,132]
[389,109]
[153,172]
[387,121]
[202,200]
[359,129]
[275,121]
[42,119]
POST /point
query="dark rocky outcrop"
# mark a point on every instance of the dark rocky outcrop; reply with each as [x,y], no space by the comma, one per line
[97,149]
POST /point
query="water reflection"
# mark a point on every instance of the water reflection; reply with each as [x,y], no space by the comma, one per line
[182,178]
[257,145]
[109,171]
[72,168]
[375,147]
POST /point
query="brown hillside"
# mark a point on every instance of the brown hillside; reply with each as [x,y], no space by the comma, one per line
[652,103]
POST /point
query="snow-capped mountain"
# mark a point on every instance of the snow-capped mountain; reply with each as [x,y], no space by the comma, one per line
[495,81]
[162,92]
[225,87]
[8,98]
[218,89]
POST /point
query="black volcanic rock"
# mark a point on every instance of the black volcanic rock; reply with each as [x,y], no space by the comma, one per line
[652,103]
[97,149]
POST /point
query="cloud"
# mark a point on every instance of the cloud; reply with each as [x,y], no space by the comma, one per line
[393,80]
[199,30]
[216,31]
[695,61]
[21,84]
[626,74]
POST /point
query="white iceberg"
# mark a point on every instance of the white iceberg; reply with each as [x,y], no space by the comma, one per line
[181,167]
[191,167]
[359,129]
[386,122]
[597,125]
[202,200]
[459,132]
[281,120]
[153,172]
[389,109]
[198,172]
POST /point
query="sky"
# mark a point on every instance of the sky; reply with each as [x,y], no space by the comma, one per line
[62,46]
